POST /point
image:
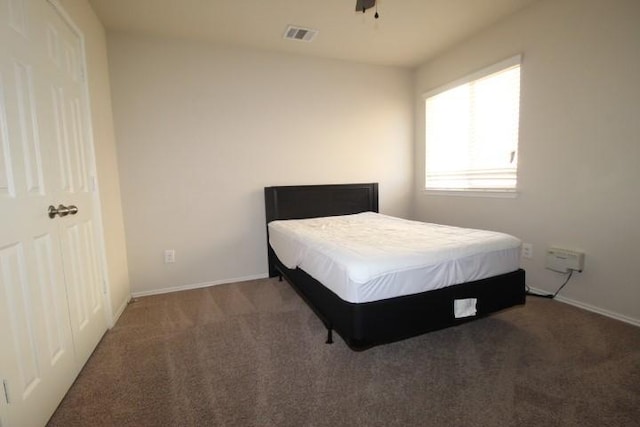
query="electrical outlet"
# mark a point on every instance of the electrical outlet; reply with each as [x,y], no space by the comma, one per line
[527,250]
[169,256]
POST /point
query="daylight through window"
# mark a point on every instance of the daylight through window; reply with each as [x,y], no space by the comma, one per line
[471,131]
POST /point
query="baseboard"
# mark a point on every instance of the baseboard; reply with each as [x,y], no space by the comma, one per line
[119,312]
[589,307]
[197,285]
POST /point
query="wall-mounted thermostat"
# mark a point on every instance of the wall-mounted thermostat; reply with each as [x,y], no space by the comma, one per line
[563,260]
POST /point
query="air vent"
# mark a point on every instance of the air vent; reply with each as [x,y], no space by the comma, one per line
[300,34]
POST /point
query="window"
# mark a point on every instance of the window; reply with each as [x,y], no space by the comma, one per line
[471,131]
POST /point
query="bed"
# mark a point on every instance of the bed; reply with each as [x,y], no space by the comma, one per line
[364,322]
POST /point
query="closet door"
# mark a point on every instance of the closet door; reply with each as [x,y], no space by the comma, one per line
[74,184]
[51,304]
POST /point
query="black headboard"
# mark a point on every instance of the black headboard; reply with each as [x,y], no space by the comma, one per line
[312,201]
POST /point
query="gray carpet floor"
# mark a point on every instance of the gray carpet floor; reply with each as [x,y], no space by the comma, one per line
[253,354]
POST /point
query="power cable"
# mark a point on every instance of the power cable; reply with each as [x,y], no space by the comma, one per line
[550,296]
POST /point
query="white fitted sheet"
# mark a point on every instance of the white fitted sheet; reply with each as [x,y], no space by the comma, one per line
[369,256]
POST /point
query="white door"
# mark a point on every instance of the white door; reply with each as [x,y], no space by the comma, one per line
[51,305]
[73,184]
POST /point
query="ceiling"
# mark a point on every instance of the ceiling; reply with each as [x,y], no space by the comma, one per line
[408,32]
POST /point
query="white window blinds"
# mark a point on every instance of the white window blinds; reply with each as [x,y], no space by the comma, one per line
[471,131]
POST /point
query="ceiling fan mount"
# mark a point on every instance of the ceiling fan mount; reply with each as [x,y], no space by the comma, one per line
[363,5]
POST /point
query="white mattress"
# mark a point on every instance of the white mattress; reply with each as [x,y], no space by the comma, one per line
[368,256]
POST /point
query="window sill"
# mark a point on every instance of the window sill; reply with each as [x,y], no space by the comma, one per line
[501,194]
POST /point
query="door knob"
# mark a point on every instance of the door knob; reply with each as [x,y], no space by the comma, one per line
[62,210]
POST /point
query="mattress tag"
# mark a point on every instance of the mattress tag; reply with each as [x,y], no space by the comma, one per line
[464,307]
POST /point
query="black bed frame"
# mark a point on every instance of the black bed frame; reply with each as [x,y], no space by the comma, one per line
[363,325]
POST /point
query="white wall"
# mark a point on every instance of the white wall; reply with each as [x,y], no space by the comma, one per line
[579,155]
[202,129]
[105,150]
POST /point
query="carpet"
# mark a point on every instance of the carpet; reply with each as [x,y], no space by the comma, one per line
[253,354]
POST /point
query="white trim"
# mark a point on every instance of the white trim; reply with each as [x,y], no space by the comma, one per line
[501,194]
[97,214]
[119,312]
[198,285]
[493,68]
[589,307]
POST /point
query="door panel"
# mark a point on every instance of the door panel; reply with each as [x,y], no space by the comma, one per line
[13,275]
[83,286]
[7,186]
[28,127]
[40,349]
[57,106]
[54,299]
[17,16]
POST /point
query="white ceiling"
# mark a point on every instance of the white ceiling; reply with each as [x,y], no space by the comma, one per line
[408,32]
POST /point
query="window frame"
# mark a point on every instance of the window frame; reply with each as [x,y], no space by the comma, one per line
[476,75]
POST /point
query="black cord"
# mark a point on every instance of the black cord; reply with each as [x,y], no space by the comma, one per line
[564,284]
[533,294]
[550,296]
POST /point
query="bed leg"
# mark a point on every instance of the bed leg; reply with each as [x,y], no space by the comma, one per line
[329,336]
[279,277]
